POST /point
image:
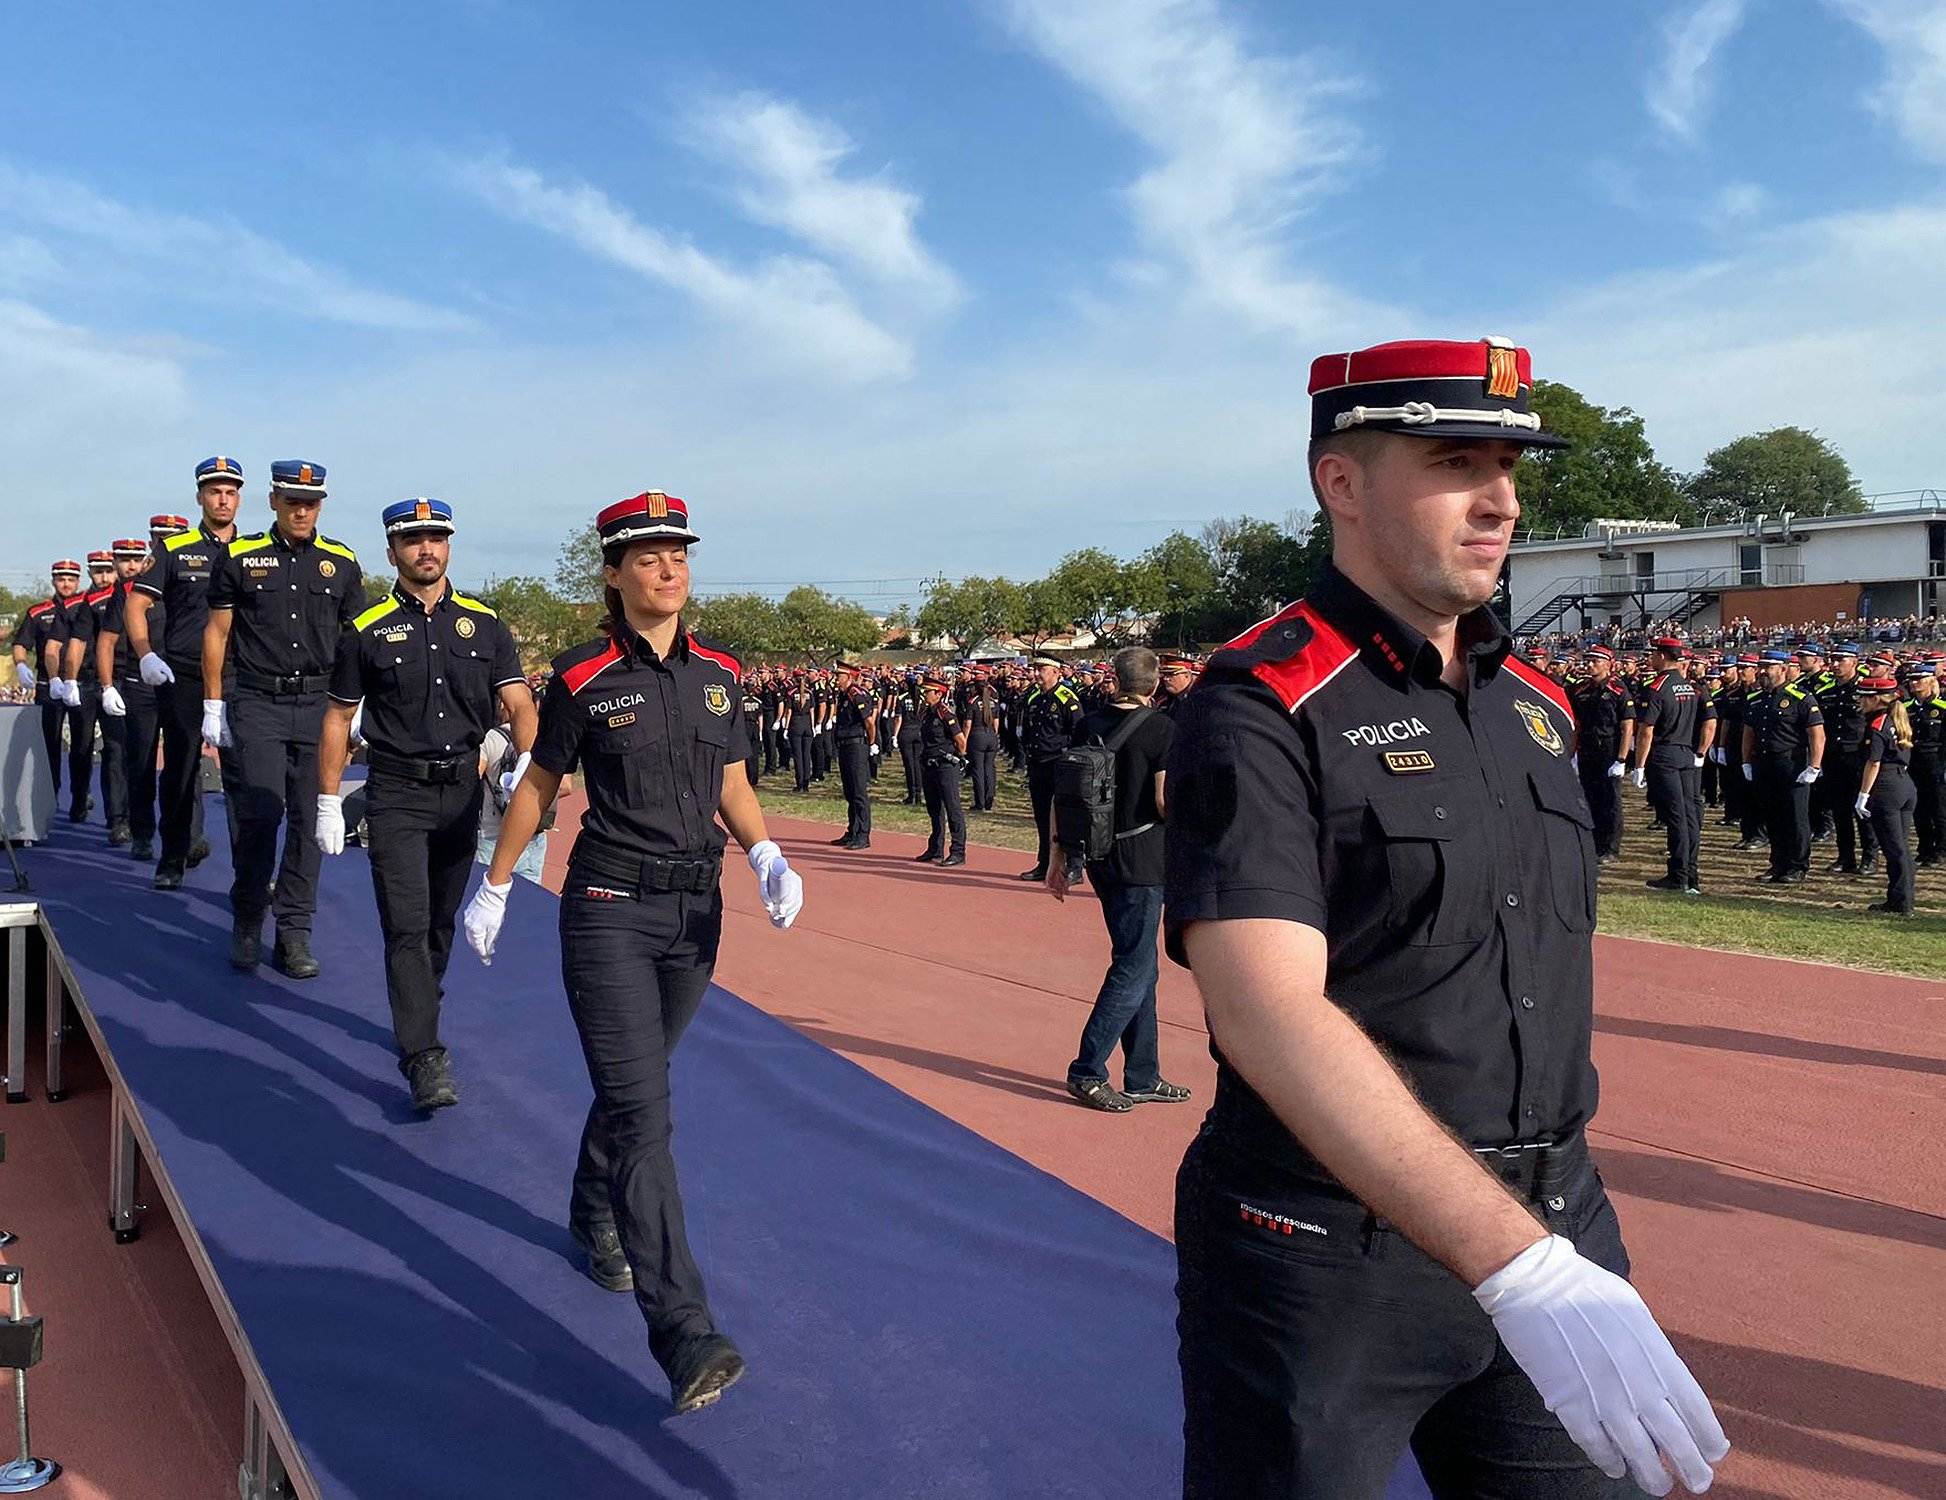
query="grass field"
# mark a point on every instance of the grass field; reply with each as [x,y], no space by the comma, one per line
[1823,920]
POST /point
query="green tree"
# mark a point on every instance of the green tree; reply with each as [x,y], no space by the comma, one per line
[1105,594]
[1186,578]
[970,612]
[1041,611]
[1610,469]
[811,622]
[577,567]
[746,623]
[543,623]
[1785,469]
[378,585]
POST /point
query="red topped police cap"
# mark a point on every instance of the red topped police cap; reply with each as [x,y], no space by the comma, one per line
[168,525]
[1669,645]
[1598,653]
[649,516]
[131,547]
[104,558]
[1430,388]
[1878,685]
[67,567]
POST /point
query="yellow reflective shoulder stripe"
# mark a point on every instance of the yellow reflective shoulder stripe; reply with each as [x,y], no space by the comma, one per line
[376,613]
[338,547]
[245,544]
[467,601]
[182,539]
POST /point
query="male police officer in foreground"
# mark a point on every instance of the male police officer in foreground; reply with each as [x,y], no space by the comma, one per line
[1380,868]
[436,670]
[277,604]
[1049,721]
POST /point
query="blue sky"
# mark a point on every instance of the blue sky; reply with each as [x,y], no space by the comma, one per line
[896,290]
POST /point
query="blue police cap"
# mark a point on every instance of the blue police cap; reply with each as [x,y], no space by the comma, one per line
[1844,648]
[420,513]
[298,476]
[1919,669]
[1783,656]
[228,470]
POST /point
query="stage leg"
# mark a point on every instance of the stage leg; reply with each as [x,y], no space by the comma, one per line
[262,1476]
[16,1015]
[57,1005]
[122,1162]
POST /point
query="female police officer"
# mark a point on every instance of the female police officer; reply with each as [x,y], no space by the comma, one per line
[1886,793]
[654,717]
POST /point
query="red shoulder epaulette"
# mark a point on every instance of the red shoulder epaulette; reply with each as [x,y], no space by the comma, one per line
[714,653]
[1541,683]
[39,609]
[579,667]
[100,594]
[1293,653]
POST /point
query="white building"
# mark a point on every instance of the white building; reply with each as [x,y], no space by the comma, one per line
[1776,570]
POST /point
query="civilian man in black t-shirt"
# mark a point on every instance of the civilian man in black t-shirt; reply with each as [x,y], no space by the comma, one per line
[1129,883]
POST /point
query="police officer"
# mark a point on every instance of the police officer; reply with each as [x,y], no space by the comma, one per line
[651,714]
[1751,689]
[1604,732]
[907,708]
[1672,735]
[1927,713]
[171,662]
[801,709]
[854,719]
[107,648]
[84,702]
[133,706]
[278,602]
[983,741]
[942,756]
[70,634]
[1846,729]
[1815,678]
[1783,755]
[1389,1229]
[435,669]
[753,716]
[1050,719]
[1886,793]
[37,653]
[1178,676]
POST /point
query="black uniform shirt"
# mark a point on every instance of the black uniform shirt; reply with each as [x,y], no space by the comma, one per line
[1845,725]
[128,666]
[1882,745]
[180,578]
[291,601]
[1928,724]
[1323,774]
[939,729]
[430,682]
[1050,720]
[1600,710]
[88,631]
[1672,710]
[854,709]
[983,712]
[1782,720]
[651,736]
[802,703]
[909,706]
[73,620]
[36,632]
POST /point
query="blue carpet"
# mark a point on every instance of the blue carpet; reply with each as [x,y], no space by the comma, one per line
[924,1313]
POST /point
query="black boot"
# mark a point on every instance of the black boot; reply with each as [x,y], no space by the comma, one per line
[431,1075]
[118,833]
[293,955]
[198,852]
[142,849]
[246,940]
[704,1371]
[169,878]
[957,857]
[604,1262]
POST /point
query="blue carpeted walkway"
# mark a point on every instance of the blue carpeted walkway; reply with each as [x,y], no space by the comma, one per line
[925,1314]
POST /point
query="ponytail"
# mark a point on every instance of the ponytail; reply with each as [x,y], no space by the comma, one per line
[1901,724]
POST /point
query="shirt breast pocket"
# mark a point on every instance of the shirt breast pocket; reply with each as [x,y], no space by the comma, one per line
[625,763]
[1436,869]
[1568,836]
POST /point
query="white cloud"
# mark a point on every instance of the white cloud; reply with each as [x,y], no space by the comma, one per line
[789,163]
[1679,92]
[1245,142]
[1913,94]
[1737,203]
[211,256]
[796,306]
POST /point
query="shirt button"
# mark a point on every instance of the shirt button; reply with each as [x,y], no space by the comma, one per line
[439,682]
[1526,1002]
[1512,899]
[1528,1113]
[1439,812]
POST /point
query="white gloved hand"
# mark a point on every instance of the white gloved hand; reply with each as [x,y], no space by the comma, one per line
[1699,764]
[1749,771]
[24,674]
[874,750]
[511,779]
[1722,755]
[216,723]
[156,671]
[111,702]
[1863,806]
[1594,1352]
[1808,775]
[65,690]
[331,823]
[1618,769]
[782,890]
[484,914]
[1639,777]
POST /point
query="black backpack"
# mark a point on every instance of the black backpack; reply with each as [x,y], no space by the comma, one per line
[1084,792]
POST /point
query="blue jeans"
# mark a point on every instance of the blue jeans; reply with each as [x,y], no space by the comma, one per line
[1125,1005]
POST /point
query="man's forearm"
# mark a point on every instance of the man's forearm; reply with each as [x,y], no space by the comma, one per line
[105,658]
[1644,738]
[334,747]
[136,618]
[216,642]
[1262,985]
[1817,747]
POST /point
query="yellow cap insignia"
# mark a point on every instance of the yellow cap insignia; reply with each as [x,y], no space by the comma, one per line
[655,505]
[1503,373]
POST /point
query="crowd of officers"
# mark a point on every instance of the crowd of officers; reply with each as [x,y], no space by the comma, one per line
[1797,747]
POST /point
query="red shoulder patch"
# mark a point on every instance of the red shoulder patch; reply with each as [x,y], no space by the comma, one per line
[722,658]
[100,594]
[1541,683]
[40,609]
[581,674]
[1319,657]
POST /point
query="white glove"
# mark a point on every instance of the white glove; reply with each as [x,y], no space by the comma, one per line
[216,723]
[1639,777]
[1594,1352]
[331,823]
[1699,764]
[782,890]
[1808,775]
[1863,805]
[1722,755]
[511,779]
[156,671]
[1618,769]
[111,702]
[874,750]
[1749,771]
[24,673]
[67,691]
[484,914]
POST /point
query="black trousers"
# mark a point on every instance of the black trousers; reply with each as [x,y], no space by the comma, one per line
[1926,813]
[1844,773]
[422,840]
[855,770]
[915,779]
[139,728]
[801,756]
[771,736]
[1787,813]
[1604,802]
[820,754]
[181,706]
[943,807]
[54,717]
[1040,790]
[1893,800]
[277,750]
[983,763]
[1312,1359]
[81,750]
[1733,789]
[1675,792]
[114,767]
[636,969]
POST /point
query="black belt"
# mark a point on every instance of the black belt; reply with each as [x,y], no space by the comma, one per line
[294,686]
[1540,1171]
[943,759]
[696,876]
[448,771]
